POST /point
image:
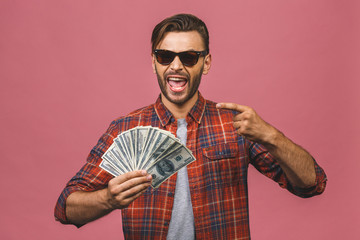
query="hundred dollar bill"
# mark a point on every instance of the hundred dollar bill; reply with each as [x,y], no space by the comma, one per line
[169,164]
[167,145]
[154,141]
[110,169]
[133,145]
[142,135]
[169,134]
[113,157]
[150,138]
[119,144]
[128,145]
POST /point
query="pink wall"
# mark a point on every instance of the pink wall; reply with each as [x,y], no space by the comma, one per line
[67,68]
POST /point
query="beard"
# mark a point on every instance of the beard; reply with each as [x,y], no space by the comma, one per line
[180,98]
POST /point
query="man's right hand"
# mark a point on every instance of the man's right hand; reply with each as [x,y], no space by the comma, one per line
[83,207]
[124,189]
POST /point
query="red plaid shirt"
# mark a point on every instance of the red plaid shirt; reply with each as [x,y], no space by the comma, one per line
[217,179]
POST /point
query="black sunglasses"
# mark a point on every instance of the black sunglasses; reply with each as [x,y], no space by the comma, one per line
[188,58]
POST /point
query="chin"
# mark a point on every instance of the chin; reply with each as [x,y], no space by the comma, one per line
[179,99]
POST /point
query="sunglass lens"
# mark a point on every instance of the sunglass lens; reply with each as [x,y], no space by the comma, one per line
[189,58]
[164,57]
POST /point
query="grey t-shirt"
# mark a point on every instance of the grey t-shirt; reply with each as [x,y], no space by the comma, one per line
[182,218]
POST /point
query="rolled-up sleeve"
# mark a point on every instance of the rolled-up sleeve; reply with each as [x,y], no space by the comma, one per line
[90,177]
[318,188]
[265,163]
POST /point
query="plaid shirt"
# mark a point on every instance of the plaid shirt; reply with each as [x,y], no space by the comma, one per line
[217,179]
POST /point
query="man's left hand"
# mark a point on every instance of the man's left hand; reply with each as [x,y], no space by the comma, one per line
[296,162]
[249,124]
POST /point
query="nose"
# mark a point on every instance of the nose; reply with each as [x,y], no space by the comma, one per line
[176,64]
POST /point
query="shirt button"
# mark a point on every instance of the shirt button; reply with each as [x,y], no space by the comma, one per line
[166,223]
[170,194]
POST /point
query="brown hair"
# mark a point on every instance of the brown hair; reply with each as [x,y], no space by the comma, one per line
[179,23]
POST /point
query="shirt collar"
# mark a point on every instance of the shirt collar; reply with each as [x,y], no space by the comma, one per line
[165,115]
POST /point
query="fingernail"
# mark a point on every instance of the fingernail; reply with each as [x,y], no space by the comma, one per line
[143,172]
[218,105]
[149,177]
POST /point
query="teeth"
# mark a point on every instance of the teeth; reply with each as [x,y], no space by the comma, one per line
[176,79]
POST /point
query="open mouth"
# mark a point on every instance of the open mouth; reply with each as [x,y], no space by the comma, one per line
[177,84]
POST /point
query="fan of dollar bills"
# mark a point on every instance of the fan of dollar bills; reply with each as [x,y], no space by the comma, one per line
[152,149]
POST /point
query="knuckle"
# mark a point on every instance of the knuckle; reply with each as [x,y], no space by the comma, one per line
[112,182]
[245,124]
[247,115]
[120,199]
[112,191]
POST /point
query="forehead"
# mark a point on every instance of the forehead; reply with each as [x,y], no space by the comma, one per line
[182,41]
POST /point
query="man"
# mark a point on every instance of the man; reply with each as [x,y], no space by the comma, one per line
[208,199]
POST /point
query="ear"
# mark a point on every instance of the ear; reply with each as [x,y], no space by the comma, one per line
[207,64]
[153,60]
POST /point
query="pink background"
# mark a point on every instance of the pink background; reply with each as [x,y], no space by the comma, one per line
[67,68]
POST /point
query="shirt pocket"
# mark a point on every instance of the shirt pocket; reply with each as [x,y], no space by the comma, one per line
[223,164]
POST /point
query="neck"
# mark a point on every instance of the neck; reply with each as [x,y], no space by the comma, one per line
[179,110]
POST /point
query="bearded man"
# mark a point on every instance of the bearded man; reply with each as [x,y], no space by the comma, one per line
[208,199]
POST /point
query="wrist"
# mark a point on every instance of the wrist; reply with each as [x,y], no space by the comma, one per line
[106,199]
[272,139]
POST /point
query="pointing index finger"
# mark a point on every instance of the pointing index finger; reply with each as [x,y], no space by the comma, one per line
[232,106]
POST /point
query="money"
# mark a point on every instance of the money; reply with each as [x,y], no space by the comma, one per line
[169,164]
[148,148]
